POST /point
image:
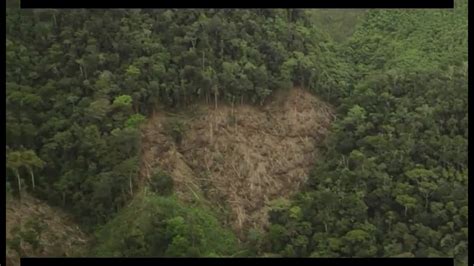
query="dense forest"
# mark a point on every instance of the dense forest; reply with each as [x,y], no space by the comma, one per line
[392,180]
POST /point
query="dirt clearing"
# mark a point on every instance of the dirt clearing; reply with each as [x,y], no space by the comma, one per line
[59,235]
[245,156]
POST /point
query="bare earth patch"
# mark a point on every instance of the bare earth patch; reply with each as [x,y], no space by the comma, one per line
[243,155]
[61,236]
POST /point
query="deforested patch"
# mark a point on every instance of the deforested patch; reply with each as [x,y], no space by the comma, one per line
[35,229]
[245,156]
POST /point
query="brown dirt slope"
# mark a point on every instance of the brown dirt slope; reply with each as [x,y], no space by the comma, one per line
[245,156]
[60,236]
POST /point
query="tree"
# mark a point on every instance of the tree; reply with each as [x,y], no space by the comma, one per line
[406,201]
[14,163]
[424,178]
[31,161]
[134,120]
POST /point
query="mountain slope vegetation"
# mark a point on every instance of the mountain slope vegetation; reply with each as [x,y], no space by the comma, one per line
[139,124]
[394,176]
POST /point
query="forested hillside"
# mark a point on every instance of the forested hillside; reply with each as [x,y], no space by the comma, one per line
[80,82]
[393,181]
[89,94]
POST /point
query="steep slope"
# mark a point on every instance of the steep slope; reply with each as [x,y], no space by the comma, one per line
[33,228]
[243,156]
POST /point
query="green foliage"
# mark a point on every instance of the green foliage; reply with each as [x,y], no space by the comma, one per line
[157,226]
[396,156]
[123,101]
[341,23]
[79,83]
[8,190]
[134,121]
[15,243]
[176,128]
[32,234]
[28,233]
[161,183]
[393,177]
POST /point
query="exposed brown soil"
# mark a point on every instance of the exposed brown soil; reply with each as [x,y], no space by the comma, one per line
[61,236]
[245,156]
